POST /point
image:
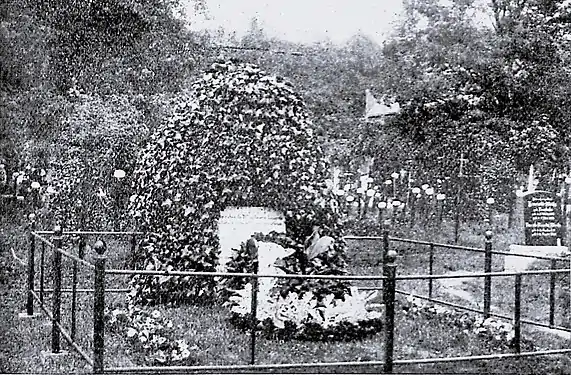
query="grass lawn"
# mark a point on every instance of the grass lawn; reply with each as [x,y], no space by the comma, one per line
[218,342]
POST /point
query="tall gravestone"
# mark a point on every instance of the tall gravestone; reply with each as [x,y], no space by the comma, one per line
[542,218]
[237,224]
[543,230]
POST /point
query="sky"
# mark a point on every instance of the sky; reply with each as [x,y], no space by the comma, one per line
[301,21]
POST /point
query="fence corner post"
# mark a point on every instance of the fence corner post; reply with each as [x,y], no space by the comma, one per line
[56,297]
[99,308]
[253,250]
[488,278]
[389,299]
[31,266]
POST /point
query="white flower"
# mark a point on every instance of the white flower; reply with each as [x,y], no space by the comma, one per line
[119,173]
[131,332]
[160,356]
[156,314]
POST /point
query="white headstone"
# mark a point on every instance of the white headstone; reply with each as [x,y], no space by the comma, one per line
[237,224]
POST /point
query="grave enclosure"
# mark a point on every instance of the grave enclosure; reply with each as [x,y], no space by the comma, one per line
[388,277]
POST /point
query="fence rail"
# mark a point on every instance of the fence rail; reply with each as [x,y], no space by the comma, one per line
[456,247]
[388,278]
[94,233]
[239,274]
[63,252]
[64,332]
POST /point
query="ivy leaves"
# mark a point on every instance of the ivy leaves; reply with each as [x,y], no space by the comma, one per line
[237,137]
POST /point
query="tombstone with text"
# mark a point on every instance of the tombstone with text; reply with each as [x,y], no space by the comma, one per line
[238,224]
[543,230]
[542,218]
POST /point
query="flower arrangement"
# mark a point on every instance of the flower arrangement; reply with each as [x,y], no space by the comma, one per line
[498,334]
[152,334]
[303,317]
[293,308]
[293,257]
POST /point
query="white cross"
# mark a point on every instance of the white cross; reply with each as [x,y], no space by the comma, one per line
[462,160]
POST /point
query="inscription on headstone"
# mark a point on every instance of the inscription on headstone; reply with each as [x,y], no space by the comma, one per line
[542,218]
[237,224]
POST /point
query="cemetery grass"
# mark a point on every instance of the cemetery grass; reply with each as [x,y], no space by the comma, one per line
[218,342]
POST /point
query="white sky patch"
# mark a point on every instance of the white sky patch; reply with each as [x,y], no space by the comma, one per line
[302,21]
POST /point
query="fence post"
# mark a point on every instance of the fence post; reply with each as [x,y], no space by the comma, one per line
[253,250]
[133,250]
[31,266]
[56,297]
[552,293]
[42,262]
[517,313]
[430,268]
[98,308]
[81,253]
[457,216]
[385,239]
[488,278]
[389,299]
[386,245]
[412,209]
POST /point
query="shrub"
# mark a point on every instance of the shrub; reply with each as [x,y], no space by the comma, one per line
[100,135]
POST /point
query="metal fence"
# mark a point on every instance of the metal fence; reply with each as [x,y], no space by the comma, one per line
[388,278]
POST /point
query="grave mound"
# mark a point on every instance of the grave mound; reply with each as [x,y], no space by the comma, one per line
[237,137]
[302,309]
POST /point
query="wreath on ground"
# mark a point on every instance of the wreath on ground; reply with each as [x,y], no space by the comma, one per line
[303,309]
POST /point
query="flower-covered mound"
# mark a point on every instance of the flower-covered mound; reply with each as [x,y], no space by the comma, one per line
[496,333]
[150,333]
[287,309]
[302,317]
[238,137]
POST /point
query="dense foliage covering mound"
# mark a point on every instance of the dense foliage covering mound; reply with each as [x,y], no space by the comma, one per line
[237,137]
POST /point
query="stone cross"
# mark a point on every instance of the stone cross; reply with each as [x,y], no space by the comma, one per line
[462,160]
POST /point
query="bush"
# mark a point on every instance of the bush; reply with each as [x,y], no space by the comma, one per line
[99,136]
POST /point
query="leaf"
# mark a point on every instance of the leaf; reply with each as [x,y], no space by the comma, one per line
[320,246]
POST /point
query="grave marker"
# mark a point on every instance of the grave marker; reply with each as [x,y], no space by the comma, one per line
[542,219]
[237,224]
[542,227]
